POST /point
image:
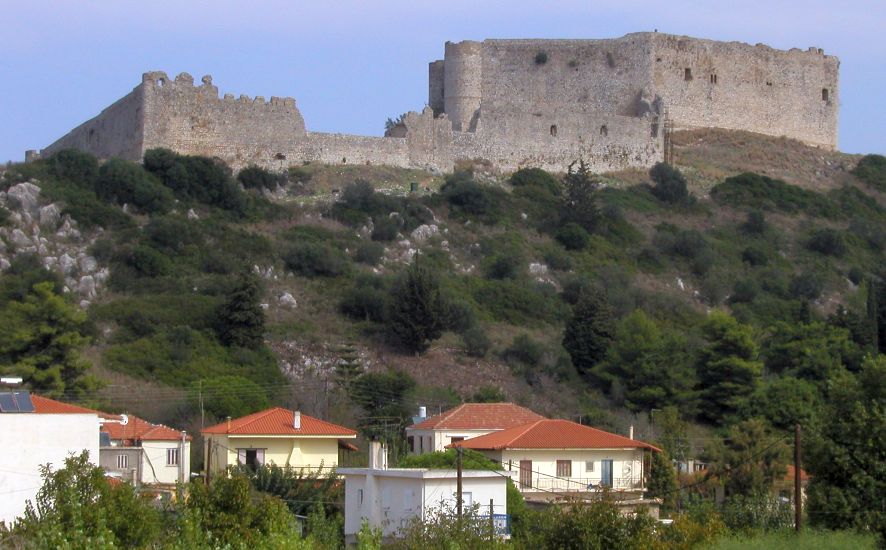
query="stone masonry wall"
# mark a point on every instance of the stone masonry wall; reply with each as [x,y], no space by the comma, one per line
[737,86]
[115,132]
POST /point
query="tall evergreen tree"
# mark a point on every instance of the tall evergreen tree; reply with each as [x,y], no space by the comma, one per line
[418,314]
[728,369]
[580,200]
[590,331]
[240,320]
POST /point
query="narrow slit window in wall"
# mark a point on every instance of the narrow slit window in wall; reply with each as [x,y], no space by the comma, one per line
[824,94]
[553,130]
[687,74]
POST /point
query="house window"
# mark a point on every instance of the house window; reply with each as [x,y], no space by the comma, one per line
[359,497]
[122,462]
[526,473]
[687,74]
[564,468]
[410,442]
[172,457]
[589,466]
[456,439]
[824,94]
[251,458]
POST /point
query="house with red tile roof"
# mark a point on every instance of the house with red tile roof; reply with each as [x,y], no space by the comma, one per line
[131,448]
[555,456]
[465,421]
[275,436]
[35,431]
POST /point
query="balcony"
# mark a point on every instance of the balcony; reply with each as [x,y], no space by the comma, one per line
[543,483]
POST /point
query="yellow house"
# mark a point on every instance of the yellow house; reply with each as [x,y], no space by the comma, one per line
[274,436]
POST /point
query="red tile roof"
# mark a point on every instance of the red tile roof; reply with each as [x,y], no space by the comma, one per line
[480,416]
[790,475]
[552,434]
[45,405]
[135,429]
[278,421]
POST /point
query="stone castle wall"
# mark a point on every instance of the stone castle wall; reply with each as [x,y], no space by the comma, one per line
[514,103]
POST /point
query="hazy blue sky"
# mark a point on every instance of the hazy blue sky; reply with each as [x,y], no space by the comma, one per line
[352,64]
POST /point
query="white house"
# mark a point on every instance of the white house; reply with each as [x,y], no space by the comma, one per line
[466,421]
[35,431]
[553,457]
[389,498]
[140,452]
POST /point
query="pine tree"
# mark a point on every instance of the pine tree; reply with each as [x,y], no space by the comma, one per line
[728,369]
[418,315]
[581,196]
[240,320]
[662,482]
[590,331]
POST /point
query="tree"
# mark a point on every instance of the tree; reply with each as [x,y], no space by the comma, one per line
[749,459]
[651,364]
[728,369]
[240,321]
[418,314]
[670,185]
[787,401]
[662,481]
[382,395]
[672,433]
[233,396]
[846,458]
[40,342]
[78,508]
[590,331]
[580,200]
[812,351]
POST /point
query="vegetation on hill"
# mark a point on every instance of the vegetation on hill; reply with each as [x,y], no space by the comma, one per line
[746,307]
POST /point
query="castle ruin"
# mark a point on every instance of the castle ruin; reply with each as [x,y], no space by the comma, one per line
[511,103]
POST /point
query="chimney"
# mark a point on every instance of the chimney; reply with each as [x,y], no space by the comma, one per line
[296,420]
[378,456]
[229,424]
[631,432]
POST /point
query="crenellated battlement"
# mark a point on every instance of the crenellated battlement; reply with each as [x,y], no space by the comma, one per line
[513,103]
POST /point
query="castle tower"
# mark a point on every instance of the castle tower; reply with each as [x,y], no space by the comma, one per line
[463,75]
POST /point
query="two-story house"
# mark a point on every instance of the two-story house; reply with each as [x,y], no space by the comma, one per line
[141,452]
[463,422]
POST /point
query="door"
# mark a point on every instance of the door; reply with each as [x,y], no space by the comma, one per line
[525,473]
[606,473]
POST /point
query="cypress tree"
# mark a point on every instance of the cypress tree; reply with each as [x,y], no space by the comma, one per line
[240,320]
[418,314]
[590,331]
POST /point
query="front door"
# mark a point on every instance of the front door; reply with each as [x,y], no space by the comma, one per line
[606,473]
[525,473]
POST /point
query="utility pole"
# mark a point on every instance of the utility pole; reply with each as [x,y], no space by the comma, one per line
[798,498]
[491,521]
[458,482]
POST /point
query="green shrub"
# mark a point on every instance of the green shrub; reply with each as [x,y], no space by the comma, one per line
[872,232]
[74,166]
[754,255]
[556,259]
[369,253]
[829,242]
[386,228]
[504,266]
[85,207]
[367,300]
[670,185]
[762,192]
[477,343]
[807,286]
[755,223]
[4,217]
[744,291]
[359,202]
[149,262]
[468,197]
[871,169]
[541,58]
[523,350]
[460,314]
[197,178]
[517,302]
[573,236]
[232,396]
[254,177]
[535,177]
[313,259]
[855,275]
[125,182]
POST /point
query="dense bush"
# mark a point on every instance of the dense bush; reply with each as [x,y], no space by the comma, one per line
[386,228]
[754,255]
[751,190]
[74,166]
[369,253]
[829,242]
[197,178]
[517,302]
[149,262]
[504,266]
[477,343]
[871,169]
[316,259]
[359,203]
[670,185]
[85,207]
[573,236]
[755,223]
[806,286]
[232,396]
[125,182]
[367,300]
[535,177]
[254,177]
[469,198]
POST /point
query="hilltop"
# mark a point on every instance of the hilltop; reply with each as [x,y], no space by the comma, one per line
[772,231]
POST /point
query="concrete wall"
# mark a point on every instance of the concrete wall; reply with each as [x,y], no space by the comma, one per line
[429,441]
[31,440]
[133,471]
[297,452]
[627,467]
[155,468]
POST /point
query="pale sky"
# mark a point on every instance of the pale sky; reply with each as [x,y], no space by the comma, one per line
[351,64]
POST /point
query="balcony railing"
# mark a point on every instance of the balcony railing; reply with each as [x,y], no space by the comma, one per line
[576,484]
